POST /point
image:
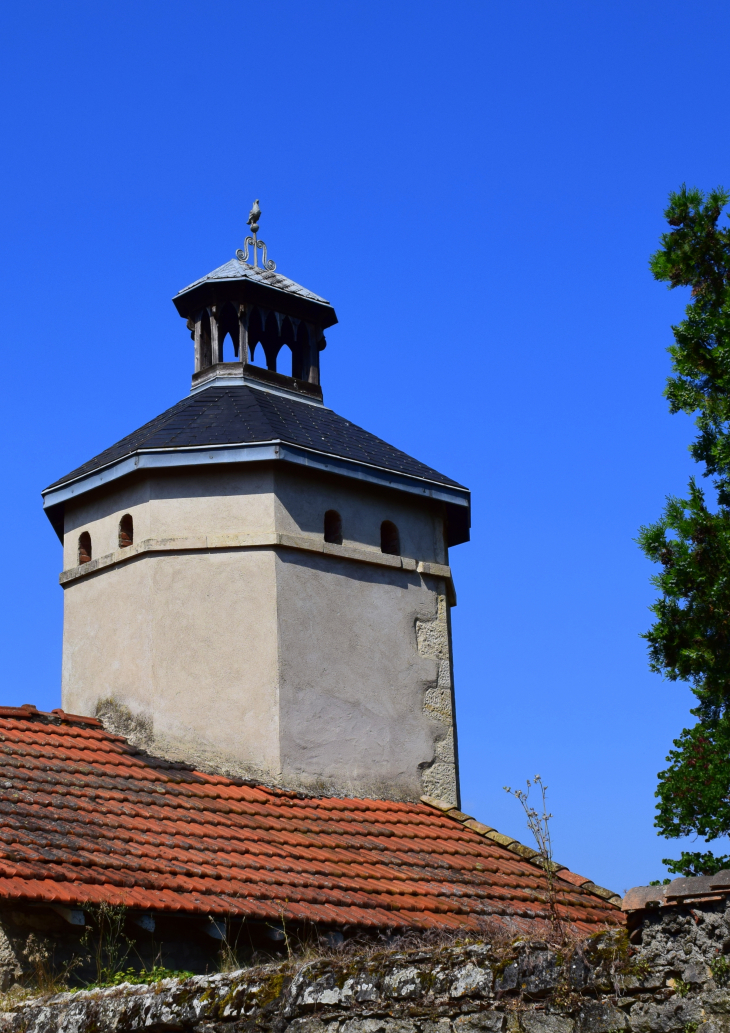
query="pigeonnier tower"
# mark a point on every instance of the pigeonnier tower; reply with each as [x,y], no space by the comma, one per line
[252,583]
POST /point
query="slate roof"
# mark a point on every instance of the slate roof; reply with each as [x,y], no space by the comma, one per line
[241,414]
[85,817]
[238,270]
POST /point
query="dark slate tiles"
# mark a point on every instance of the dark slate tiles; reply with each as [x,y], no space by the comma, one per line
[235,269]
[245,415]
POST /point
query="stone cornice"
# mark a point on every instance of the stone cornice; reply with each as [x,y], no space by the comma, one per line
[261,540]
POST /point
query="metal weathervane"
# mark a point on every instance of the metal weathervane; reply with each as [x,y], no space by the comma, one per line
[253,221]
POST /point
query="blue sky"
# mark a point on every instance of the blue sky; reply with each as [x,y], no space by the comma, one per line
[477,187]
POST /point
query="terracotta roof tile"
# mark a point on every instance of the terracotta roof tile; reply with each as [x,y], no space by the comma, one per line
[577,880]
[85,818]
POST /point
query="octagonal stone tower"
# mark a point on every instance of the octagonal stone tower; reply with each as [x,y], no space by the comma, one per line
[254,584]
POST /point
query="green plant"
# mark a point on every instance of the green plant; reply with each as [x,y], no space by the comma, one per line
[141,976]
[720,968]
[697,863]
[690,1027]
[681,988]
[105,940]
[613,960]
[690,638]
[659,882]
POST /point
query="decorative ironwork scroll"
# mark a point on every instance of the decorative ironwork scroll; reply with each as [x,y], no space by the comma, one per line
[258,245]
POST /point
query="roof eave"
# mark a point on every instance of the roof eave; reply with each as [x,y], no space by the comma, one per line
[457,499]
[193,298]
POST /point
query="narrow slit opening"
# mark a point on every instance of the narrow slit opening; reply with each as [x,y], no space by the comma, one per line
[333,527]
[84,554]
[389,538]
[126,531]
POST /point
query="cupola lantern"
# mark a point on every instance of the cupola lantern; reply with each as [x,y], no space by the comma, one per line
[262,312]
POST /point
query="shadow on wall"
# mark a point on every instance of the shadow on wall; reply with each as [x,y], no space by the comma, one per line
[352,570]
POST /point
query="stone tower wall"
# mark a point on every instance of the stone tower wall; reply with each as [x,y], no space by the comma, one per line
[230,635]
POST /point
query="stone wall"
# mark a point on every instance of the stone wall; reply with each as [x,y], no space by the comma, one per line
[674,979]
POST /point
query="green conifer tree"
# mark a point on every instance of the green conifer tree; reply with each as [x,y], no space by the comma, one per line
[690,639]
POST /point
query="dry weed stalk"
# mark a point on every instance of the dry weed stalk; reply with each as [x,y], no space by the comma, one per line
[45,978]
[229,956]
[538,822]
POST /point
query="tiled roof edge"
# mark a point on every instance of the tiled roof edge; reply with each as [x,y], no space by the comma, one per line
[57,716]
[526,852]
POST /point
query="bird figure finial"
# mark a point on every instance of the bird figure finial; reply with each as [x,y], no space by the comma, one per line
[253,217]
[242,255]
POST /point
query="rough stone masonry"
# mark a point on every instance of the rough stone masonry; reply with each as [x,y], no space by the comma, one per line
[674,979]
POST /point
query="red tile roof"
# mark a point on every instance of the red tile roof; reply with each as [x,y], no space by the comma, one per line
[85,817]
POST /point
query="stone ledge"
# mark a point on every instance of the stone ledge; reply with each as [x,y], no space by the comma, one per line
[204,543]
[437,569]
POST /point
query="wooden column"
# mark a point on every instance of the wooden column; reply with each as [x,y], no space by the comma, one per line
[216,345]
[198,342]
[243,334]
[314,335]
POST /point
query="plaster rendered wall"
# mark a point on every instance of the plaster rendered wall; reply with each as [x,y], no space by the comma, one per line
[296,667]
[363,508]
[353,683]
[173,504]
[224,499]
[187,643]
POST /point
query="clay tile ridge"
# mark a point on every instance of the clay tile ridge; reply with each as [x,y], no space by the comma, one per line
[525,852]
[28,711]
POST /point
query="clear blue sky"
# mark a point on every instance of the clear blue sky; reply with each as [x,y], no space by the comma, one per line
[477,187]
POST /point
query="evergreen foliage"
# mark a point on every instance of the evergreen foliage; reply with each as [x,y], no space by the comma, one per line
[690,638]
